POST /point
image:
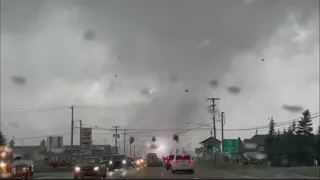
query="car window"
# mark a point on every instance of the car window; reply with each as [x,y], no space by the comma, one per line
[186,157]
[118,157]
[91,161]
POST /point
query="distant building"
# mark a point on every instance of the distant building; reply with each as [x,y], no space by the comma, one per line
[39,153]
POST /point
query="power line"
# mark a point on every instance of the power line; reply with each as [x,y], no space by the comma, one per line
[278,124]
[35,110]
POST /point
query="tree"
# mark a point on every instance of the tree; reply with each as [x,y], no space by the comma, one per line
[11,143]
[3,139]
[272,125]
[318,131]
[269,143]
[292,128]
[305,124]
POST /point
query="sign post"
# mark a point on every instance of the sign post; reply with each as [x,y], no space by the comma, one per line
[86,141]
[230,145]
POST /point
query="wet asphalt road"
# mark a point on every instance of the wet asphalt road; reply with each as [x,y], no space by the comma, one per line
[153,172]
[162,173]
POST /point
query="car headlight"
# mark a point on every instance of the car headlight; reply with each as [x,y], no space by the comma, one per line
[110,162]
[77,169]
[124,162]
[96,168]
[2,164]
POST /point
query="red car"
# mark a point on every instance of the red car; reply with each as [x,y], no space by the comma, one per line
[167,163]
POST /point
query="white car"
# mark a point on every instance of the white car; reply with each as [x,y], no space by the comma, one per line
[182,163]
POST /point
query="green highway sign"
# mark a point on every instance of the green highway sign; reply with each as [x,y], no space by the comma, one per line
[230,145]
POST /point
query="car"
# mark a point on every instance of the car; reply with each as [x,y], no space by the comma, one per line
[167,161]
[139,162]
[119,161]
[90,167]
[12,168]
[153,160]
[182,162]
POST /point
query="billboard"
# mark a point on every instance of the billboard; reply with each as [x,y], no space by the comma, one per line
[54,143]
[86,141]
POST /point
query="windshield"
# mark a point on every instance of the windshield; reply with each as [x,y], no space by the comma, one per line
[91,161]
[107,157]
[119,157]
[226,82]
[186,157]
[170,157]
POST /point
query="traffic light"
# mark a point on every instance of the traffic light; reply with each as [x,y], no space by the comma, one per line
[153,139]
[131,140]
[176,138]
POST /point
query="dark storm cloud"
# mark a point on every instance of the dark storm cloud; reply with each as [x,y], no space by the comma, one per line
[156,37]
[292,108]
[234,89]
[18,80]
[89,35]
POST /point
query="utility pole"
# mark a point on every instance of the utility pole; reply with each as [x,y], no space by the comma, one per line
[80,138]
[124,142]
[134,151]
[214,115]
[222,125]
[72,125]
[130,150]
[116,138]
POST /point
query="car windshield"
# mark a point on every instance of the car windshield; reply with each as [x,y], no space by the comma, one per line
[186,157]
[170,157]
[107,158]
[91,161]
[118,157]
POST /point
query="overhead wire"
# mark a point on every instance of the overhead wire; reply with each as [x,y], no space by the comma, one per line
[142,133]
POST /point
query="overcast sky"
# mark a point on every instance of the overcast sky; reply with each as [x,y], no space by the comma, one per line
[261,58]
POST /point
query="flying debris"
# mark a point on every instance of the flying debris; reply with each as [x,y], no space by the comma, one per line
[292,108]
[262,59]
[186,90]
[234,89]
[214,83]
[115,75]
[148,91]
[119,57]
[18,80]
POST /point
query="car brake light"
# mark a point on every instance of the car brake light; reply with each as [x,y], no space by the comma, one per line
[191,161]
[175,161]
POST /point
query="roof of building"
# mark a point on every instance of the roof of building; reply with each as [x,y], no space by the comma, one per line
[210,140]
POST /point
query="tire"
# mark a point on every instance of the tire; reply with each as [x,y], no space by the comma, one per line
[192,172]
[75,178]
[173,172]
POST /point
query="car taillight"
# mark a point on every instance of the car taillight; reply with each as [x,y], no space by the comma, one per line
[175,161]
[191,161]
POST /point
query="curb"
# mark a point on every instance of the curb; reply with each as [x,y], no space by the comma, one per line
[305,177]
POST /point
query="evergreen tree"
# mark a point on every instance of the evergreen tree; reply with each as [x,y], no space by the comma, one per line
[272,125]
[269,143]
[305,124]
[292,128]
[3,139]
[284,131]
